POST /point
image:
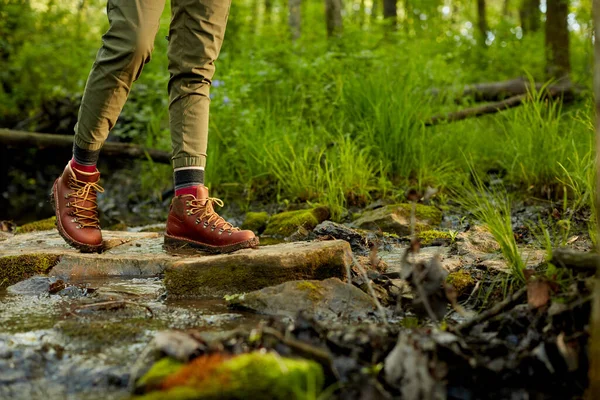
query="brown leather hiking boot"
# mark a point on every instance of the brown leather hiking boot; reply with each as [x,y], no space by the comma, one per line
[193,223]
[74,201]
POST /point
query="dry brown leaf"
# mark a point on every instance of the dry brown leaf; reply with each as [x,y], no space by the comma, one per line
[538,293]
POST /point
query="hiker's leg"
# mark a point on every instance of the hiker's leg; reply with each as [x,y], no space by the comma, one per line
[195,39]
[126,47]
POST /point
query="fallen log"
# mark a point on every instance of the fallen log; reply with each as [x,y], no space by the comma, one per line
[576,260]
[565,91]
[489,91]
[48,141]
[491,108]
[495,91]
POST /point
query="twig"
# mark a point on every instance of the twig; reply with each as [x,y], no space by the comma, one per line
[492,312]
[371,290]
[423,296]
[304,349]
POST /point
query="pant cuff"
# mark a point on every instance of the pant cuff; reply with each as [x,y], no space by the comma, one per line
[86,145]
[179,162]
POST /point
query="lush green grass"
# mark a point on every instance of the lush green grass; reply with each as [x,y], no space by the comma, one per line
[340,122]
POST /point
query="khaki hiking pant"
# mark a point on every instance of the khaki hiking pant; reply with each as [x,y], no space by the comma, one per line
[195,38]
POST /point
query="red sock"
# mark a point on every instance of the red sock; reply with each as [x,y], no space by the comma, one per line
[193,190]
[82,168]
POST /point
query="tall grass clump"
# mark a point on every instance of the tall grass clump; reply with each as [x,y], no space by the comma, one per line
[539,137]
[386,109]
[493,209]
[341,175]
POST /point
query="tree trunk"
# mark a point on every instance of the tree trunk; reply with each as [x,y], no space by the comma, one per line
[558,64]
[530,15]
[295,18]
[506,8]
[594,343]
[375,9]
[333,17]
[390,12]
[482,20]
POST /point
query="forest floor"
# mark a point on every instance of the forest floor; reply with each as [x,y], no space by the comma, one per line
[438,314]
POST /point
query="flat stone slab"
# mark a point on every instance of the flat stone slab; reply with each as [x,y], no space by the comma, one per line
[135,254]
[253,269]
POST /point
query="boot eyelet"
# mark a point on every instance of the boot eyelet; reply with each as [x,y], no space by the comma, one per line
[187,203]
[66,196]
[68,204]
[74,220]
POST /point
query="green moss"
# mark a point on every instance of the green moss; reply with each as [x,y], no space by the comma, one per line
[286,223]
[461,280]
[250,376]
[431,214]
[14,269]
[256,221]
[410,322]
[314,291]
[102,333]
[269,241]
[231,276]
[42,225]
[429,236]
[27,322]
[159,371]
[121,226]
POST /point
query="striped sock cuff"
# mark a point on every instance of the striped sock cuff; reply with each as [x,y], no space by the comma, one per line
[188,176]
[85,157]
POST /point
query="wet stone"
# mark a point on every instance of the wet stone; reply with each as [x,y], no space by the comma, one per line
[396,219]
[328,299]
[33,286]
[141,255]
[329,229]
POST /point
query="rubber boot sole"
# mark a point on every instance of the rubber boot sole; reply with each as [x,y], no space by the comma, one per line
[82,247]
[179,245]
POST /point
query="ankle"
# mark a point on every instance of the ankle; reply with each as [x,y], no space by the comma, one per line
[84,160]
[187,180]
[82,167]
[187,190]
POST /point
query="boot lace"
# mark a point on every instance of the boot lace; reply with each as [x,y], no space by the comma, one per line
[84,191]
[208,214]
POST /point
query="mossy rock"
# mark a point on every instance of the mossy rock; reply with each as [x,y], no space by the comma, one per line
[14,269]
[396,219]
[329,299]
[121,226]
[251,269]
[157,374]
[256,221]
[286,223]
[247,376]
[42,225]
[433,236]
[461,280]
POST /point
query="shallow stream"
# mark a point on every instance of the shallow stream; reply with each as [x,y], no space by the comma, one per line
[58,346]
